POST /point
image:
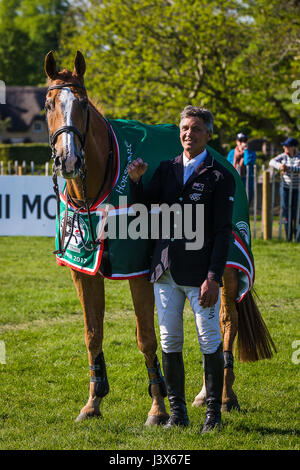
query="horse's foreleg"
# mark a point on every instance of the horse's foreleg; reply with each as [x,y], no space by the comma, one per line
[90,290]
[143,301]
[229,328]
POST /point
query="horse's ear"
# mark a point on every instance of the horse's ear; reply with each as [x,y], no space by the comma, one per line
[50,65]
[79,65]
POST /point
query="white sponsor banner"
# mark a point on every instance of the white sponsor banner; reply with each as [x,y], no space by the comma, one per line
[27,205]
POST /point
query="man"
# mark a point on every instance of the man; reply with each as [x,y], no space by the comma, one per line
[241,157]
[178,272]
[288,163]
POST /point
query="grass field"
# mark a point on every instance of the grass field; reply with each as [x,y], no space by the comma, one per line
[44,381]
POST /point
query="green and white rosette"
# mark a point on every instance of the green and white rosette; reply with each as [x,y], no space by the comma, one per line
[79,251]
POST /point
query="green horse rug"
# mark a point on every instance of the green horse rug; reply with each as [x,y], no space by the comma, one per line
[119,256]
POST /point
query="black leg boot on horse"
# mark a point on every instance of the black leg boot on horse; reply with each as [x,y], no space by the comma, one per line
[99,388]
[173,367]
[143,301]
[157,391]
[214,374]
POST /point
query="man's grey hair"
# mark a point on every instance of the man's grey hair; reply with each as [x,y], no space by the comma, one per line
[202,113]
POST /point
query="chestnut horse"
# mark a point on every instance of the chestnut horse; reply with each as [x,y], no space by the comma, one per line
[76,129]
[83,151]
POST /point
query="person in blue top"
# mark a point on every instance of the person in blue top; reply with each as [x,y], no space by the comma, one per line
[241,157]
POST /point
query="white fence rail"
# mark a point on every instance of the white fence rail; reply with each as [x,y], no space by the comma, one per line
[265,209]
[22,169]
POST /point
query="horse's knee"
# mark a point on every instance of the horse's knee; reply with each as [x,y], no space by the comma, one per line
[145,330]
[93,341]
[147,343]
[229,315]
[229,294]
[230,287]
[228,322]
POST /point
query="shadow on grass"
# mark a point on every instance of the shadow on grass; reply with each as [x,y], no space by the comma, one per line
[267,431]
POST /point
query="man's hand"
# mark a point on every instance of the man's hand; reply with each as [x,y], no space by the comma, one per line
[208,293]
[283,167]
[136,169]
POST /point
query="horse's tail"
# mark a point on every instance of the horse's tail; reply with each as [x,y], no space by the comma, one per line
[254,340]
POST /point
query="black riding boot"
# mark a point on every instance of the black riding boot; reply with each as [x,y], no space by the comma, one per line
[214,376]
[174,375]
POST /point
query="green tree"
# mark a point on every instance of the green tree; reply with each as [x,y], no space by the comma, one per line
[28,30]
[13,51]
[269,65]
[147,59]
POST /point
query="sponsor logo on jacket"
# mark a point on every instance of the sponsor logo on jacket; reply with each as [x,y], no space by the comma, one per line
[198,186]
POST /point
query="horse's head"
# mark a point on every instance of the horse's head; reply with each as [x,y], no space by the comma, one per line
[67,115]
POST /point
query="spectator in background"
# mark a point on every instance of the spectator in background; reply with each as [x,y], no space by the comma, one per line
[241,157]
[288,163]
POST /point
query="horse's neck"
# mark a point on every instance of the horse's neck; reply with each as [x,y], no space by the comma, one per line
[96,156]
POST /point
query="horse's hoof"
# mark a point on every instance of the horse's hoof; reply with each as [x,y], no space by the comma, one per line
[199,401]
[156,420]
[231,405]
[84,416]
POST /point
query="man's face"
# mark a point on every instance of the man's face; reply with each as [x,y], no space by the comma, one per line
[194,136]
[291,151]
[242,144]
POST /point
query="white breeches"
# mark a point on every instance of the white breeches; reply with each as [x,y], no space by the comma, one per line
[170,299]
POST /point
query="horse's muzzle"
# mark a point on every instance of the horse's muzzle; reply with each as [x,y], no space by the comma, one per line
[68,167]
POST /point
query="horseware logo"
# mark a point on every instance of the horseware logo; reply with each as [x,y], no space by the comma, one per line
[79,231]
[244,230]
[195,196]
[198,186]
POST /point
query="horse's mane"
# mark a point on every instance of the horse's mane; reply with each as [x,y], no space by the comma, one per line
[96,108]
[65,75]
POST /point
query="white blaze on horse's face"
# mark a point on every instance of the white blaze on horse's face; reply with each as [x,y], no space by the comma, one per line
[70,153]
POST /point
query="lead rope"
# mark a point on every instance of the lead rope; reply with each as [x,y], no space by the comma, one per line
[109,167]
[56,191]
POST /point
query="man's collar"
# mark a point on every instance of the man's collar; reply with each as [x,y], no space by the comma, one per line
[204,165]
[196,160]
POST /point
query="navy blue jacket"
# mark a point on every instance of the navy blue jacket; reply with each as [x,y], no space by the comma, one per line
[211,185]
